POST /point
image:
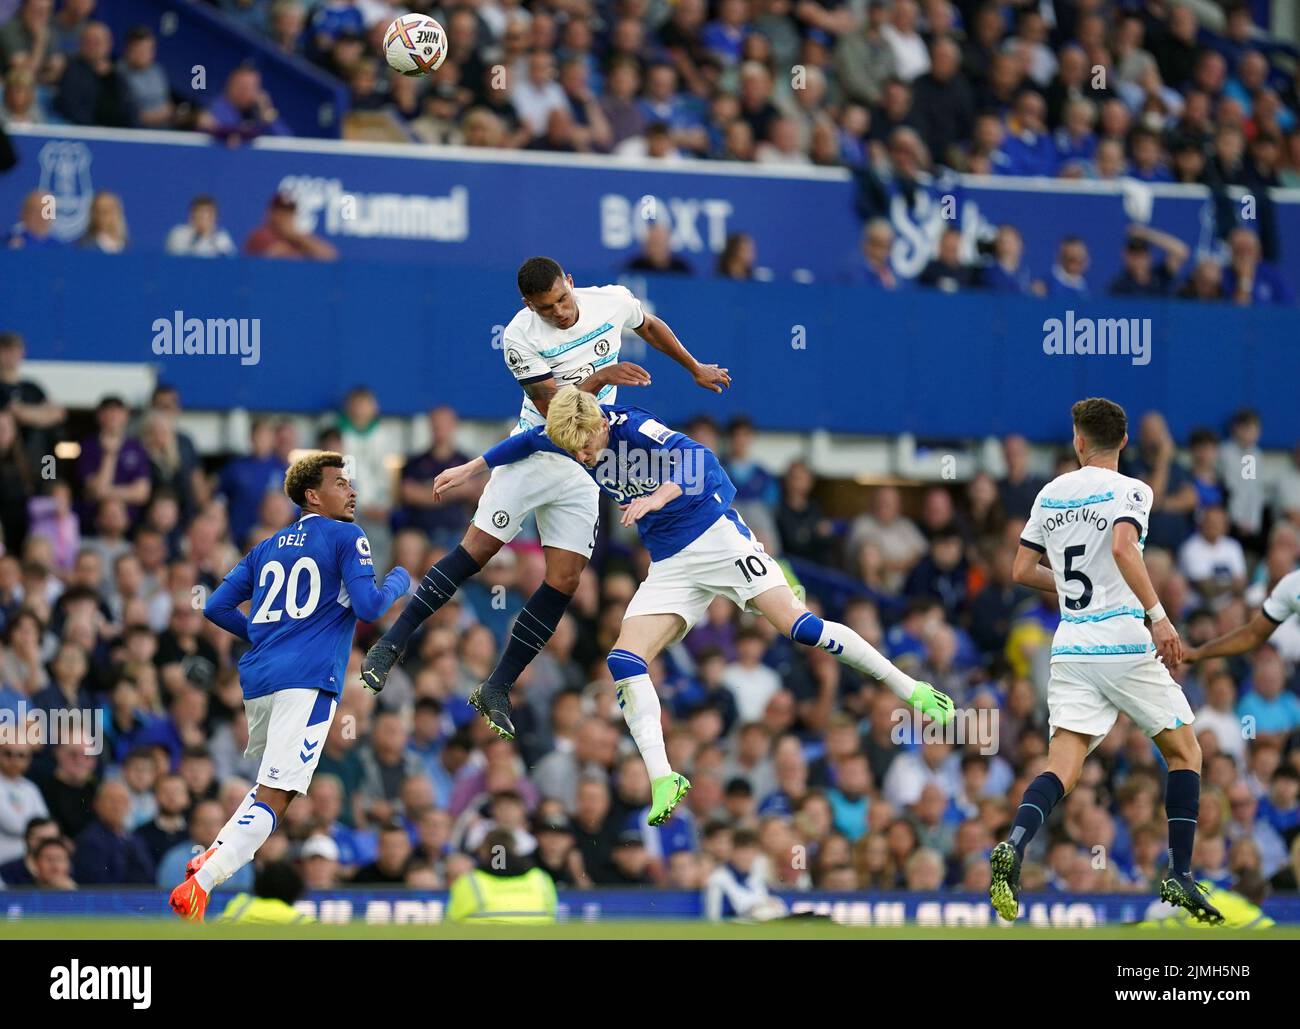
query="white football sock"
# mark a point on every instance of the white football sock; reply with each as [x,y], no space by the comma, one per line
[238,845]
[640,704]
[851,649]
[250,798]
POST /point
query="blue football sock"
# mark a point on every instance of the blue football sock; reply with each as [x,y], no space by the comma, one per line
[438,586]
[1043,794]
[533,628]
[1182,806]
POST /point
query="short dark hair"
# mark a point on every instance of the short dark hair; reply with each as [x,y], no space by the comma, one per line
[1101,422]
[278,880]
[537,275]
[308,473]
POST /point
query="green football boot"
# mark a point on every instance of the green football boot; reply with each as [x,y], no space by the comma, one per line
[930,701]
[668,791]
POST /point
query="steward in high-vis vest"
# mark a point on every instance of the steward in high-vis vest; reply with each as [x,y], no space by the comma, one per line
[503,889]
[275,890]
[1239,912]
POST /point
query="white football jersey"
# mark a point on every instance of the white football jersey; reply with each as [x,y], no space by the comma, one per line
[1072,521]
[1284,599]
[535,350]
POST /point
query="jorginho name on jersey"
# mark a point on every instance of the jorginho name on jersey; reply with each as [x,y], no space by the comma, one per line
[1072,522]
[308,584]
[641,455]
[535,350]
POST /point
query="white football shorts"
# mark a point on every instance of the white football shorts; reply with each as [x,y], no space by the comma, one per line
[565,499]
[287,730]
[1087,696]
[724,561]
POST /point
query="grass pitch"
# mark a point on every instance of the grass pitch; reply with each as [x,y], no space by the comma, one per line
[613,929]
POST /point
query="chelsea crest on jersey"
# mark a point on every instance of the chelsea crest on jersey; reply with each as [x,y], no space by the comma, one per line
[1072,522]
[535,350]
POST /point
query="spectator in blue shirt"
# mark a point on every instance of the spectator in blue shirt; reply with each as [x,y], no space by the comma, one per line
[245,480]
[1076,141]
[1281,807]
[1068,279]
[1029,148]
[1247,278]
[849,798]
[1274,710]
[244,110]
[1006,273]
[725,35]
[874,269]
[33,228]
[106,852]
[1147,159]
[206,820]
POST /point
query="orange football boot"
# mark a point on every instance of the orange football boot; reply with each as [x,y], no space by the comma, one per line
[190,901]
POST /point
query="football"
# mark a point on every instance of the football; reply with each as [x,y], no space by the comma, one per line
[415,44]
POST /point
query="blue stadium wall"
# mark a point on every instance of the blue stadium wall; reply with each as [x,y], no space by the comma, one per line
[419,318]
[1057,910]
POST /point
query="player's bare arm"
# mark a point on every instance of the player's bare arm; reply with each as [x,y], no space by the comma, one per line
[642,506]
[656,332]
[1028,571]
[1241,640]
[624,373]
[458,475]
[1128,559]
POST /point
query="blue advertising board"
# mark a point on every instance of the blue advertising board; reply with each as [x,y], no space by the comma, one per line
[414,907]
[456,207]
[829,356]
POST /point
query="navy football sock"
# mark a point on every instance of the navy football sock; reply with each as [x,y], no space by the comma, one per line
[1043,794]
[1183,806]
[437,587]
[532,629]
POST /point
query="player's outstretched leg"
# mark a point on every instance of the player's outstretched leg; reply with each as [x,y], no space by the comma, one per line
[639,702]
[438,586]
[1182,807]
[234,849]
[780,607]
[1043,794]
[532,630]
[1065,760]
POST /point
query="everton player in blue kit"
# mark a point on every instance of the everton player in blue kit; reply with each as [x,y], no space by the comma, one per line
[679,498]
[308,585]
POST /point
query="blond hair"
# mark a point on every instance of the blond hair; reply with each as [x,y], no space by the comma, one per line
[572,419]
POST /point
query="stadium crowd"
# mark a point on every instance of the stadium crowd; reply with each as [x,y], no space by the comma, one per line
[1080,88]
[804,774]
[898,92]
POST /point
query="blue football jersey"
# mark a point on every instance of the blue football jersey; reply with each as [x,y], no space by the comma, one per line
[308,585]
[641,455]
